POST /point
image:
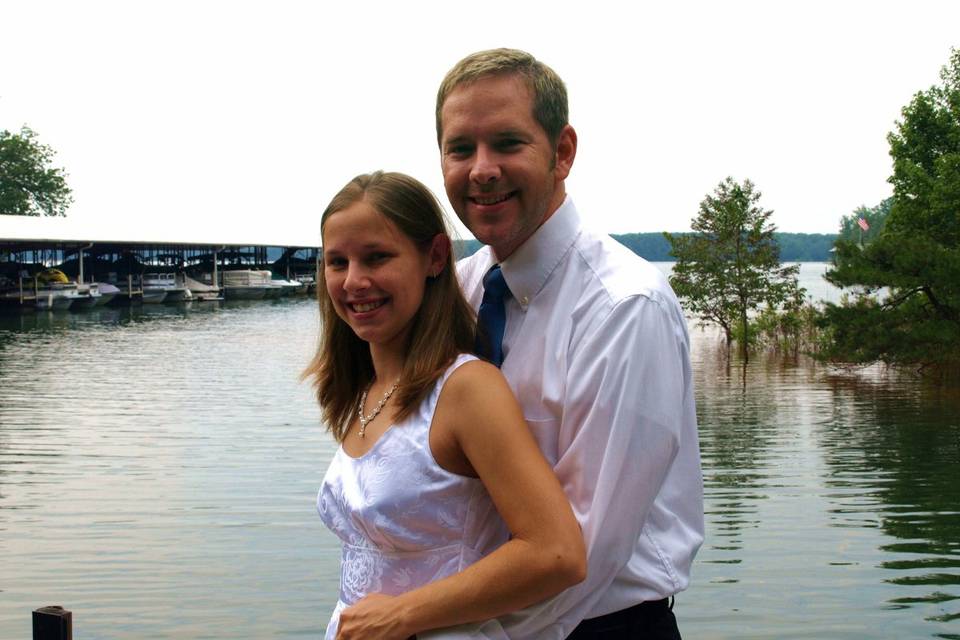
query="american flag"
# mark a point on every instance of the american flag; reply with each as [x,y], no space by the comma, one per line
[863,224]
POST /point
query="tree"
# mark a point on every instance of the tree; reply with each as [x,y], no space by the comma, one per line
[906,304]
[29,186]
[875,217]
[730,265]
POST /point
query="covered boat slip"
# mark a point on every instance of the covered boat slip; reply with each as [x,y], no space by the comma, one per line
[48,266]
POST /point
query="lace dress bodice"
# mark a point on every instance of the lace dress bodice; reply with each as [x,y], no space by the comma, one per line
[403,520]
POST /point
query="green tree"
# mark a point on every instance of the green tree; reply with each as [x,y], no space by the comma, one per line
[29,186]
[905,308]
[730,265]
[876,218]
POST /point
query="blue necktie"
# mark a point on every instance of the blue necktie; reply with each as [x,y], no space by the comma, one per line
[492,317]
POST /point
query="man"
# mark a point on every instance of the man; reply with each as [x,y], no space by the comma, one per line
[595,347]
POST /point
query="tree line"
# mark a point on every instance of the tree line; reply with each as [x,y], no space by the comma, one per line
[794,247]
[654,246]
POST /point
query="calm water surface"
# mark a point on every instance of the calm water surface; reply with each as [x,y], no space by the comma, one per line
[158,468]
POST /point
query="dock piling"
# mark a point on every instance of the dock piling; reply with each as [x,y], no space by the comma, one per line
[52,623]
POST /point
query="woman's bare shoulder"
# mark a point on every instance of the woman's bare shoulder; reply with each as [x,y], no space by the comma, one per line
[475,378]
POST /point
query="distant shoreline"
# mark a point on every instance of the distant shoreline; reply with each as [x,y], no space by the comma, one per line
[652,246]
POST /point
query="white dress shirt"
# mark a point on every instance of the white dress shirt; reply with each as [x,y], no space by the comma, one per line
[597,353]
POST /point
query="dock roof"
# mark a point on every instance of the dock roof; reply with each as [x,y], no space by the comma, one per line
[26,230]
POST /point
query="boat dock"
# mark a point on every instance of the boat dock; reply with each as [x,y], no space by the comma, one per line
[45,266]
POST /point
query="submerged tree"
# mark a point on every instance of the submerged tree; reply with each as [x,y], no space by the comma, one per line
[29,186]
[906,304]
[730,265]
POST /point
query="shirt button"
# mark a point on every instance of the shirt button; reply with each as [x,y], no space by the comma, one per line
[525,300]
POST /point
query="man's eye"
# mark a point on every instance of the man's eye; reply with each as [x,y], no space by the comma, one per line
[459,150]
[509,143]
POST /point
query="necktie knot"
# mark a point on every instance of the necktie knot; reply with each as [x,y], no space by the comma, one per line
[494,285]
[492,316]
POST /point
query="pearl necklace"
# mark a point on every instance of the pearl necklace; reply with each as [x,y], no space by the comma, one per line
[365,420]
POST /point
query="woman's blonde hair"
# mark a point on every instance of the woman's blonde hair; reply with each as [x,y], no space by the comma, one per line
[443,327]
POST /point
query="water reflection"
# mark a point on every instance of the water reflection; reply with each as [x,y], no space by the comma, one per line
[889,456]
[157,471]
[832,503]
[158,466]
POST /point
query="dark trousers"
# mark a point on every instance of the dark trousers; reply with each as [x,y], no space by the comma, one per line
[646,621]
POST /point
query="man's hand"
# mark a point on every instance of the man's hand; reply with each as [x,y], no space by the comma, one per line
[376,617]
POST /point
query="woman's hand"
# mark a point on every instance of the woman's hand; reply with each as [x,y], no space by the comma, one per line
[376,617]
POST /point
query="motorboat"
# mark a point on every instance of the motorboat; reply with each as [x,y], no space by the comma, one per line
[175,292]
[290,287]
[107,293]
[90,296]
[202,291]
[132,290]
[57,297]
[247,284]
[307,281]
[53,291]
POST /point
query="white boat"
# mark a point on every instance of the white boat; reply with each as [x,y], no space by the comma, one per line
[202,291]
[290,287]
[247,284]
[53,291]
[308,282]
[57,297]
[132,291]
[167,282]
[154,296]
[274,288]
[107,293]
[90,296]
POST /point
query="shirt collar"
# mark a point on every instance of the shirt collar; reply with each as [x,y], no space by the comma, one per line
[529,267]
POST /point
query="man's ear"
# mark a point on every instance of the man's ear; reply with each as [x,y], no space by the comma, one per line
[566,152]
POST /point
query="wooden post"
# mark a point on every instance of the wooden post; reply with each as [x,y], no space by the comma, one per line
[52,623]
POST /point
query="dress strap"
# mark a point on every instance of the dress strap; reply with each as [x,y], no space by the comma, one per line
[460,360]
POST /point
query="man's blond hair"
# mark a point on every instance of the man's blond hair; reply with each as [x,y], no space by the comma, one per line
[549,93]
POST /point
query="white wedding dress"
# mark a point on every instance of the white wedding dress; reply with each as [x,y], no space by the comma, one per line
[403,520]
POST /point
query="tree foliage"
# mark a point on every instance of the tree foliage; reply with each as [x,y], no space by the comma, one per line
[29,186]
[906,282]
[876,218]
[804,247]
[730,265]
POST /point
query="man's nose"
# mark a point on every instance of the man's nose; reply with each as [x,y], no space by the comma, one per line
[486,166]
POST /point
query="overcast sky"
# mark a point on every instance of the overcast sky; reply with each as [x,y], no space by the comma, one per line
[214,114]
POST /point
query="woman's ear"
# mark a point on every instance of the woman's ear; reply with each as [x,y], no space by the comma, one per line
[439,254]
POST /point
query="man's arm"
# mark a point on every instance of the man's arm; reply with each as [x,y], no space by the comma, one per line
[628,395]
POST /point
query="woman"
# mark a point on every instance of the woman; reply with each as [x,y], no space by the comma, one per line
[447,511]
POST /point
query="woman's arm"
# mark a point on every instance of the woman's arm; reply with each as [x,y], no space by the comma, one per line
[480,419]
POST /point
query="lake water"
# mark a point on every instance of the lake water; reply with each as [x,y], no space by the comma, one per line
[158,468]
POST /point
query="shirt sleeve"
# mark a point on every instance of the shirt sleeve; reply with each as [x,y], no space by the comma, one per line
[628,393]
